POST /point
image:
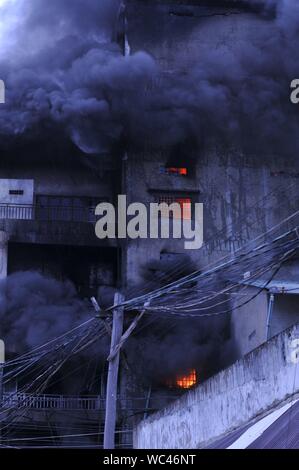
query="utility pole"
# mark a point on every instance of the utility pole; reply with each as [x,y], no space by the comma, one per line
[118,313]
[111,393]
[1,383]
[2,362]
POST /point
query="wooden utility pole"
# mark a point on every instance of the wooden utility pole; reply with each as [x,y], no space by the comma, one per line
[1,383]
[111,393]
[2,362]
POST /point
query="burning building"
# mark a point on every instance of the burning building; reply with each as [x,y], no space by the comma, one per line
[164,101]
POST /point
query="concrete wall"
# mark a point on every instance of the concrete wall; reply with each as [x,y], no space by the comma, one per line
[243,195]
[12,184]
[285,312]
[240,200]
[249,321]
[228,400]
[3,254]
[56,181]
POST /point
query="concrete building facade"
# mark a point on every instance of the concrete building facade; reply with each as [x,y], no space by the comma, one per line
[47,205]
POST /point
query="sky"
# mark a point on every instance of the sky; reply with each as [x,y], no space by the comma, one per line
[9,18]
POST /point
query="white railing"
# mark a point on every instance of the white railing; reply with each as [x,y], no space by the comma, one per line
[89,403]
[59,402]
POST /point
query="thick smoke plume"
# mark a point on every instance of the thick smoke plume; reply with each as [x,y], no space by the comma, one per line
[61,69]
[35,309]
[167,347]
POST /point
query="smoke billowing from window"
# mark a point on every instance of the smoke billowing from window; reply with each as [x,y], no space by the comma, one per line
[169,346]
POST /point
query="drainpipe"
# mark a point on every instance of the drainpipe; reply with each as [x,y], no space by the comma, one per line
[269,316]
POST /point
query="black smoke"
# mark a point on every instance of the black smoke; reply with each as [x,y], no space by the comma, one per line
[165,346]
[63,69]
[35,308]
[170,347]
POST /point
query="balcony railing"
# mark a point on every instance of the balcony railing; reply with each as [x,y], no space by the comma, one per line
[56,402]
[90,403]
[47,213]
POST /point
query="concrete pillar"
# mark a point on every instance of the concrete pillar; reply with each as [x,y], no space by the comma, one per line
[3,254]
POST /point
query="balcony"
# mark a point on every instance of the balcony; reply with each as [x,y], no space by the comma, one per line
[48,213]
[85,403]
[51,224]
[52,402]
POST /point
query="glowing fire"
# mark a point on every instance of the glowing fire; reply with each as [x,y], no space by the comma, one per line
[185,203]
[182,171]
[187,381]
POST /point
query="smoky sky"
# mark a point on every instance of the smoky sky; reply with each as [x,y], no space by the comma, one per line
[63,67]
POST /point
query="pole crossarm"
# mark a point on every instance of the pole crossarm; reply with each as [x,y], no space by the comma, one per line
[127,333]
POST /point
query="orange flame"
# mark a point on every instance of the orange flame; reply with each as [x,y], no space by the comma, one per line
[177,170]
[187,381]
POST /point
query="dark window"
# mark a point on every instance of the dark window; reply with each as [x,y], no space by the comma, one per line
[175,171]
[184,202]
[76,209]
[16,192]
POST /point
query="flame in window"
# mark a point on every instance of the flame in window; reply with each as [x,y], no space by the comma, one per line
[182,171]
[186,209]
[187,381]
[185,204]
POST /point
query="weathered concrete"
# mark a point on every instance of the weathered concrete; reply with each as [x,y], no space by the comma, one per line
[239,191]
[3,254]
[10,185]
[250,320]
[230,399]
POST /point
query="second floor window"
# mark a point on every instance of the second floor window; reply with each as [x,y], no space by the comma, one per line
[184,202]
[175,171]
[66,208]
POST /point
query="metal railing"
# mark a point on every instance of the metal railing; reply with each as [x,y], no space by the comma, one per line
[54,402]
[89,403]
[48,213]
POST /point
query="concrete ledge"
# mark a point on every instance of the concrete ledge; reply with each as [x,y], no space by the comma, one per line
[251,386]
